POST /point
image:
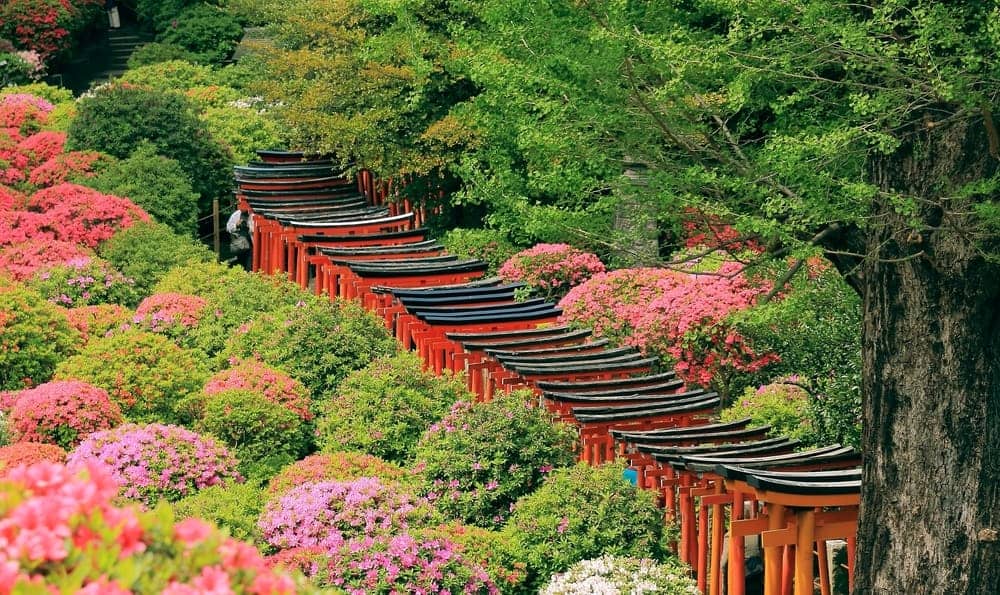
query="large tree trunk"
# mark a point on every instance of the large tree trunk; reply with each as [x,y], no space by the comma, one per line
[930,512]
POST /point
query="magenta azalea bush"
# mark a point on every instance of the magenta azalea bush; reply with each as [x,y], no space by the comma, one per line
[84,281]
[61,413]
[157,462]
[257,376]
[551,269]
[63,533]
[335,466]
[329,514]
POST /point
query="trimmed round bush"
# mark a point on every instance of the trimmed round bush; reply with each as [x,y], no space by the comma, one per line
[34,337]
[50,93]
[231,506]
[482,457]
[384,408]
[619,575]
[316,341]
[144,373]
[157,184]
[28,453]
[157,462]
[118,119]
[264,435]
[488,245]
[172,314]
[209,32]
[584,512]
[146,252]
[197,278]
[551,269]
[242,130]
[97,321]
[61,413]
[170,77]
[275,385]
[328,514]
[84,281]
[782,405]
[156,53]
[334,466]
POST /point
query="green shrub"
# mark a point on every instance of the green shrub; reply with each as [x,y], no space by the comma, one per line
[242,130]
[118,119]
[155,183]
[207,96]
[144,373]
[584,512]
[14,69]
[61,117]
[34,337]
[158,14]
[265,436]
[231,506]
[48,92]
[482,457]
[173,76]
[490,549]
[316,341]
[155,53]
[208,32]
[384,408]
[489,245]
[147,251]
[197,278]
[785,407]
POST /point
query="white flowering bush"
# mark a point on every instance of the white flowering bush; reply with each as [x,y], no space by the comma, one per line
[611,575]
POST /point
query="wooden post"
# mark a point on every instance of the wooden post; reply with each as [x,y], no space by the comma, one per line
[215,228]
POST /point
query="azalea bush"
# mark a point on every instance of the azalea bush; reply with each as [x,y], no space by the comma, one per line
[615,575]
[385,407]
[21,261]
[73,166]
[23,114]
[155,53]
[232,506]
[46,26]
[157,462]
[264,435]
[146,252]
[144,373]
[482,457]
[50,93]
[316,341]
[86,543]
[97,321]
[551,269]
[489,245]
[83,215]
[84,281]
[42,146]
[172,314]
[330,514]
[28,453]
[35,337]
[491,550]
[275,385]
[335,466]
[61,413]
[584,512]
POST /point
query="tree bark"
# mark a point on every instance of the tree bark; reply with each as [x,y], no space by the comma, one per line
[930,510]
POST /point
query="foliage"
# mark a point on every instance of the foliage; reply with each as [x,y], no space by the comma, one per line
[209,33]
[275,385]
[21,261]
[118,119]
[482,457]
[264,435]
[330,514]
[15,68]
[75,166]
[316,341]
[44,26]
[67,535]
[157,462]
[42,146]
[385,407]
[490,549]
[172,314]
[782,405]
[584,512]
[28,453]
[147,252]
[144,373]
[157,53]
[197,278]
[84,281]
[50,93]
[23,114]
[551,269]
[173,76]
[242,130]
[62,413]
[488,245]
[159,14]
[615,575]
[334,466]
[231,506]
[97,321]
[85,216]
[157,184]
[34,337]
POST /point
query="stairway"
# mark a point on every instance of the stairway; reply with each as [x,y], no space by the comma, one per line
[103,59]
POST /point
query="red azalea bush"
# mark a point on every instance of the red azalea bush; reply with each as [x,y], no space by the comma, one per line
[551,269]
[28,453]
[62,413]
[45,26]
[65,534]
[42,146]
[257,376]
[79,214]
[12,161]
[66,167]
[11,199]
[703,230]
[97,320]
[21,113]
[335,466]
[674,314]
[22,261]
[21,226]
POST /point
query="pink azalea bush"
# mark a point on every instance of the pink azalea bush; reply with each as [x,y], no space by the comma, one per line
[674,314]
[21,261]
[28,453]
[254,375]
[329,514]
[62,413]
[97,320]
[21,113]
[42,146]
[83,281]
[17,227]
[65,167]
[85,216]
[11,199]
[551,269]
[63,533]
[336,466]
[171,314]
[158,462]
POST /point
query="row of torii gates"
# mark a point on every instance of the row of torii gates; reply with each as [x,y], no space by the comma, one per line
[721,482]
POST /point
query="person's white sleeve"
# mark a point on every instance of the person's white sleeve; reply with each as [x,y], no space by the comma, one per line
[234,220]
[250,224]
